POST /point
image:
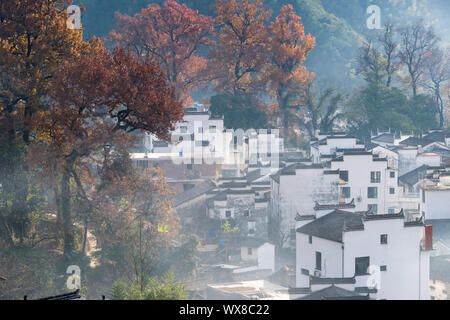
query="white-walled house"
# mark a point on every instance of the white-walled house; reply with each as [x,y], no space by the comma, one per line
[258,251]
[435,198]
[389,153]
[295,189]
[388,139]
[381,252]
[327,145]
[369,180]
[429,159]
[406,158]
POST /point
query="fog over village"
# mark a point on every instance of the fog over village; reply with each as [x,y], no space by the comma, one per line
[224,150]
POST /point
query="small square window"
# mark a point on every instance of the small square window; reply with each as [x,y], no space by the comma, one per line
[345,192]
[384,239]
[391,190]
[361,265]
[375,177]
[246,213]
[212,129]
[183,129]
[383,268]
[373,208]
[200,129]
[228,213]
[392,174]
[372,192]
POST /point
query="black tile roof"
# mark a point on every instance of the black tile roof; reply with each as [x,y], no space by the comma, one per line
[334,293]
[413,141]
[371,146]
[220,196]
[341,137]
[385,137]
[372,216]
[299,290]
[356,152]
[250,191]
[332,225]
[318,280]
[253,175]
[234,184]
[351,150]
[437,136]
[300,217]
[193,192]
[290,169]
[349,205]
[365,290]
[412,177]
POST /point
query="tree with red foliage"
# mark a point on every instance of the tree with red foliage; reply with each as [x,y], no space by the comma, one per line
[284,73]
[98,100]
[172,35]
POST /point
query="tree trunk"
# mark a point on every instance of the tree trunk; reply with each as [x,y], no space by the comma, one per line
[69,245]
[83,250]
[414,89]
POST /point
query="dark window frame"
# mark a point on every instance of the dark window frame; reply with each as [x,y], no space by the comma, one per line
[369,196]
[361,266]
[319,260]
[375,176]
[344,194]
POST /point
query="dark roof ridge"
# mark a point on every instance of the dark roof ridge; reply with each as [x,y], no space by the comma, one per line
[319,207]
[317,280]
[368,216]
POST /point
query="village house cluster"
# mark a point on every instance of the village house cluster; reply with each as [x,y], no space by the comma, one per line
[351,220]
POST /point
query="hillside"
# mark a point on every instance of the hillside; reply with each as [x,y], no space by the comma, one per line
[337,25]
